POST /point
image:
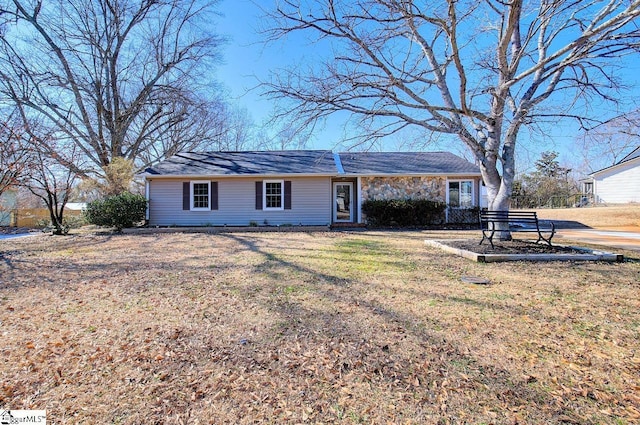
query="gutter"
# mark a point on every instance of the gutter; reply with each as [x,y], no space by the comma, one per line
[611,167]
[148,176]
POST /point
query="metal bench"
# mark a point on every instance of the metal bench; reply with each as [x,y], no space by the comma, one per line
[512,221]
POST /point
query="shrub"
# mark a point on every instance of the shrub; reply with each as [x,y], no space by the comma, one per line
[404,212]
[69,222]
[119,211]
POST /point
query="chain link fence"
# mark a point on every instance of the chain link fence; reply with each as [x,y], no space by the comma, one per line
[463,215]
[470,216]
[563,201]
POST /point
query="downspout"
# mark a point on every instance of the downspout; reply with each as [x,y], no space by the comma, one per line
[147,190]
[359,197]
[446,199]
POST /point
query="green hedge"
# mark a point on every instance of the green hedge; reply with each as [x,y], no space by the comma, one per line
[119,211]
[404,212]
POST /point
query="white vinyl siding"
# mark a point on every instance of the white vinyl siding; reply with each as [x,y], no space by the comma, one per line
[618,185]
[311,204]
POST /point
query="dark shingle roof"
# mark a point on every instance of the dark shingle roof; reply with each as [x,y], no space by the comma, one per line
[312,162]
[633,155]
[404,163]
[246,163]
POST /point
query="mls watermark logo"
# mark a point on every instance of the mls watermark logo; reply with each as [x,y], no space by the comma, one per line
[11,417]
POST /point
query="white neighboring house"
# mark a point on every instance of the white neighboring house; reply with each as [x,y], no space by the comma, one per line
[620,183]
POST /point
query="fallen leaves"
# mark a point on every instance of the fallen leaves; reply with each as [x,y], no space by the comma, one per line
[139,329]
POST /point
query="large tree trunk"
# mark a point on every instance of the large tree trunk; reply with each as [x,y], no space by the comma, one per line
[57,220]
[500,187]
[498,200]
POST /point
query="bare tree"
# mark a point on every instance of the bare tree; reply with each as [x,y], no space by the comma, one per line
[200,128]
[14,160]
[15,154]
[238,131]
[53,183]
[118,78]
[26,164]
[282,137]
[476,70]
[606,144]
[47,176]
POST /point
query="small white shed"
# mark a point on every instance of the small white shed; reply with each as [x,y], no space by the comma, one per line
[620,183]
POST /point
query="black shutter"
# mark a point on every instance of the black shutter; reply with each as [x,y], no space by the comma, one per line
[214,195]
[186,196]
[287,194]
[259,195]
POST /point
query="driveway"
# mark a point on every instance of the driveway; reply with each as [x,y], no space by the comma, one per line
[623,238]
[4,236]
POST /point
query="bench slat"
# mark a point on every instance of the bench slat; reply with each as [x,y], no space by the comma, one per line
[516,221]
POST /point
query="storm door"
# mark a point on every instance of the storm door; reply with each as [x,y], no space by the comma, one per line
[343,202]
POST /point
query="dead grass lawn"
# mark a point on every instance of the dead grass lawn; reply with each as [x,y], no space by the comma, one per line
[363,327]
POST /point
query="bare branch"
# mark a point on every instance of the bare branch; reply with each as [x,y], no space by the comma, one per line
[478,70]
[105,74]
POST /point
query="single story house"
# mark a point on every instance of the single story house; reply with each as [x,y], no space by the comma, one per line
[299,187]
[617,184]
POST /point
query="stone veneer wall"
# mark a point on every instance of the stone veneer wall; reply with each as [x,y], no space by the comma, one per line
[431,188]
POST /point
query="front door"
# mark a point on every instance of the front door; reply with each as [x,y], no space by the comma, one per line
[343,202]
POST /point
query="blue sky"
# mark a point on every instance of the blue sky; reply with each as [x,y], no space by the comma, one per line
[244,56]
[246,59]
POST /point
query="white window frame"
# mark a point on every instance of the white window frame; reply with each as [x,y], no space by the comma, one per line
[264,195]
[473,191]
[192,197]
[587,188]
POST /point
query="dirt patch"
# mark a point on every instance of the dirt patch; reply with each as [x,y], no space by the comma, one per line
[511,247]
